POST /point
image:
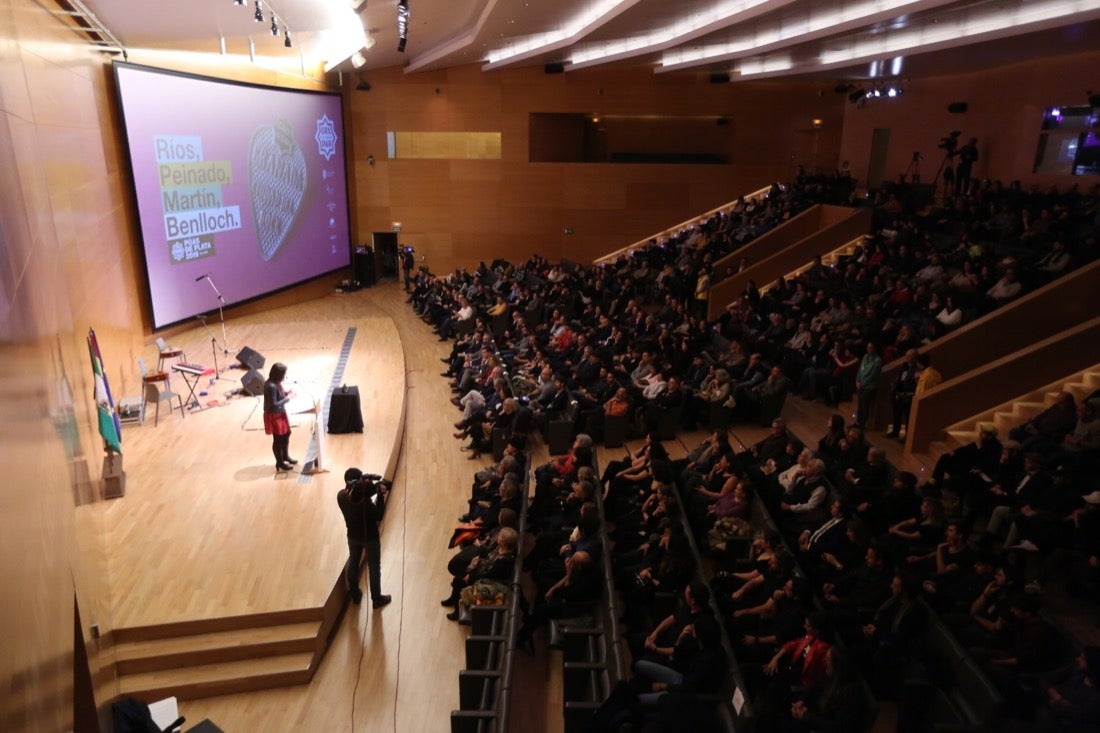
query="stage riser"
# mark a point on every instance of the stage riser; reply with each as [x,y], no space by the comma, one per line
[198,690]
[217,656]
[214,625]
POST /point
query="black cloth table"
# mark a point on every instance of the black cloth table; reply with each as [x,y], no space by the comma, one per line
[344,412]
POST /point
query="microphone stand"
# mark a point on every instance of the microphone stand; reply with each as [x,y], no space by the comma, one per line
[221,314]
[213,345]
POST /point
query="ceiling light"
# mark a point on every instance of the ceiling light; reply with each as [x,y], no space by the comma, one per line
[402,24]
[238,2]
[286,40]
[274,25]
[358,59]
[259,14]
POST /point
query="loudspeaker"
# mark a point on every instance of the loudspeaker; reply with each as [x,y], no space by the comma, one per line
[720,77]
[251,358]
[555,67]
[363,266]
[253,383]
[957,108]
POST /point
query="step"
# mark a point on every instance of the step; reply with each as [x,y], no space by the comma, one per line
[216,647]
[190,683]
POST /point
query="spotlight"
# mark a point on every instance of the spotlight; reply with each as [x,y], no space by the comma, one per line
[259,14]
[238,2]
[402,24]
[358,59]
[274,25]
[286,40]
[891,92]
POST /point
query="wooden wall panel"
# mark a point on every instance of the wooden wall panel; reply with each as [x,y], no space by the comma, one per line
[1005,113]
[612,204]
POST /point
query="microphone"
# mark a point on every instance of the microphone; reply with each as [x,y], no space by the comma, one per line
[200,277]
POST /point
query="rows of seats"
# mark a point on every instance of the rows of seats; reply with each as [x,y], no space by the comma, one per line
[485,684]
[581,304]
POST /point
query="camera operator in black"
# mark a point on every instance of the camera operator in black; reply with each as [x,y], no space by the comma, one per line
[968,155]
[363,503]
[408,262]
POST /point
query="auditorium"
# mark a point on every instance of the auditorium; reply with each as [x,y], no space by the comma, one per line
[659,247]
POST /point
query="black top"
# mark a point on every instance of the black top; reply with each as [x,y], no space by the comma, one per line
[275,398]
[362,516]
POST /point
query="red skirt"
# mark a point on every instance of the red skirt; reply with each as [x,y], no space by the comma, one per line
[276,423]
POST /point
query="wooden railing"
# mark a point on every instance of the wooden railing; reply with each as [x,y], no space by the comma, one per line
[1053,308]
[675,230]
[816,231]
[1002,380]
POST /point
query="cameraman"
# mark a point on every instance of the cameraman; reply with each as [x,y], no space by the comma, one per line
[363,503]
[968,155]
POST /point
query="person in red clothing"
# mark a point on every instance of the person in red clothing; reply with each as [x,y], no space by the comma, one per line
[808,655]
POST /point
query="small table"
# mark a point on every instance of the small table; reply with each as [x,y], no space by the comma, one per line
[344,413]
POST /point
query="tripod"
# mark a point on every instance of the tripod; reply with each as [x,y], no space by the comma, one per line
[948,172]
[913,171]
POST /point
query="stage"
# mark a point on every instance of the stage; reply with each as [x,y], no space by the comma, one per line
[207,527]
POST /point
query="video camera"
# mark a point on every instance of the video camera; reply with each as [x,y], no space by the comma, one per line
[368,484]
[950,142]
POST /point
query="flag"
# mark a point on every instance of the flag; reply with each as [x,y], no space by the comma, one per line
[109,426]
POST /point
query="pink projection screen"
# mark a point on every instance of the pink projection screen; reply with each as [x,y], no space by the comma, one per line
[238,187]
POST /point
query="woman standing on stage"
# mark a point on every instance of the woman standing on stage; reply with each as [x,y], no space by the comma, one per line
[276,423]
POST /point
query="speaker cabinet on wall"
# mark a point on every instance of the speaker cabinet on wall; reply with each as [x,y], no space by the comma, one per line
[719,77]
[555,67]
[251,358]
[957,108]
[253,382]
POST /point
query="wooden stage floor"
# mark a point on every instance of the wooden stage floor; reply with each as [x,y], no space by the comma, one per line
[207,528]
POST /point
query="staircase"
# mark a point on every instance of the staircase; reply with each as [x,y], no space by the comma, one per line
[195,659]
[1009,415]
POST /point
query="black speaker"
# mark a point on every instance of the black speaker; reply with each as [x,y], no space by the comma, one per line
[251,358]
[719,77]
[253,383]
[555,67]
[363,266]
[957,108]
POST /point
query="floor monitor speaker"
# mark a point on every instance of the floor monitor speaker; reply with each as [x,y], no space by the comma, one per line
[253,382]
[251,358]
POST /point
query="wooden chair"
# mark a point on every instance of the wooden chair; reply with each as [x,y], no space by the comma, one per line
[166,352]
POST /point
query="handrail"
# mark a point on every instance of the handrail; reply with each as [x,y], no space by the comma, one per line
[666,234]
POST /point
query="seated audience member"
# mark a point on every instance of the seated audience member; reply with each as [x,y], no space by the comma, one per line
[1071,705]
[573,594]
[797,666]
[835,703]
[497,565]
[803,504]
[659,643]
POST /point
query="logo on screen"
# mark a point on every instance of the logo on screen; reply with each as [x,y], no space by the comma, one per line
[326,137]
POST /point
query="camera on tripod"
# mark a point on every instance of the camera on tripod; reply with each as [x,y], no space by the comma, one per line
[950,143]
